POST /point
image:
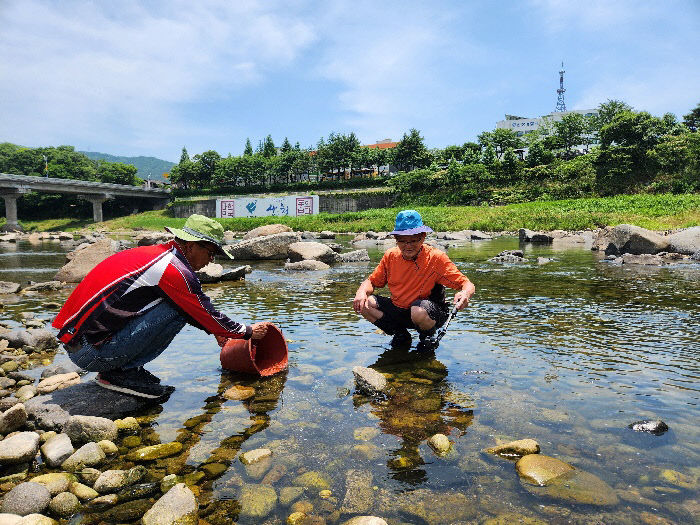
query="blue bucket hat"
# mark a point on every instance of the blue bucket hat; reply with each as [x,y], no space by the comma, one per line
[409,222]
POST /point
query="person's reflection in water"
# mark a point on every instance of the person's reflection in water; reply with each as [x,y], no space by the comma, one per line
[418,405]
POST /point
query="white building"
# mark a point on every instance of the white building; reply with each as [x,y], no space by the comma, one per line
[522,125]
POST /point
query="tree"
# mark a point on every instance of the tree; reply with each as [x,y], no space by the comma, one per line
[570,130]
[184,156]
[538,155]
[205,168]
[692,119]
[269,149]
[248,148]
[410,153]
[286,146]
[608,109]
[118,173]
[510,167]
[501,140]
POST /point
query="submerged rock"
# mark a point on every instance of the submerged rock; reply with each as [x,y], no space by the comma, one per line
[359,495]
[365,520]
[509,256]
[369,381]
[540,469]
[427,506]
[162,450]
[656,427]
[177,507]
[440,444]
[257,501]
[520,447]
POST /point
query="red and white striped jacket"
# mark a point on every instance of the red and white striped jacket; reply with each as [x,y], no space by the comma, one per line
[128,284]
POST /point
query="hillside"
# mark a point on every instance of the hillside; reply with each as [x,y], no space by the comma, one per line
[145,165]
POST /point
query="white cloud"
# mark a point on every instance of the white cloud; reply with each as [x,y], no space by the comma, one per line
[72,70]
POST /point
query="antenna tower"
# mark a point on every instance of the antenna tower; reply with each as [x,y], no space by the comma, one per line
[561,105]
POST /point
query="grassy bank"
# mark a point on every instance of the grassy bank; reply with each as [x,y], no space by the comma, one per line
[657,212]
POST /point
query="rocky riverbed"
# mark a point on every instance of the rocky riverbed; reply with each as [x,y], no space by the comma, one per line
[491,428]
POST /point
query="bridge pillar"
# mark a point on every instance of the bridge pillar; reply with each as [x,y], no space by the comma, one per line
[96,201]
[10,198]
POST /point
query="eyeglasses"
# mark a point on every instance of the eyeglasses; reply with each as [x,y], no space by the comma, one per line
[409,241]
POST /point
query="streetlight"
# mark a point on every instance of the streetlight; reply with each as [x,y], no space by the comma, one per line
[46,165]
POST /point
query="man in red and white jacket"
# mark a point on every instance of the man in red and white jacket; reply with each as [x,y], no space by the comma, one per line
[128,309]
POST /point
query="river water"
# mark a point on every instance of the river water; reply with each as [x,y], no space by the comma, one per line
[568,353]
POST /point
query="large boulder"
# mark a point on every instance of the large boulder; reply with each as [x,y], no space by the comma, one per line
[211,273]
[84,260]
[627,238]
[274,246]
[354,256]
[316,251]
[8,287]
[26,498]
[268,229]
[686,241]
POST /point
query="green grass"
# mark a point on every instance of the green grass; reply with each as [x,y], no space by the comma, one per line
[656,212]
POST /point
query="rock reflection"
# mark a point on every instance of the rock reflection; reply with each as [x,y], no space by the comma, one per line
[416,407]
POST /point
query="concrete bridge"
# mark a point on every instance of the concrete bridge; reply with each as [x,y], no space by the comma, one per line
[14,186]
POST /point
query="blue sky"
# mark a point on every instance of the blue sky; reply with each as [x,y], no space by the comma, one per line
[146,78]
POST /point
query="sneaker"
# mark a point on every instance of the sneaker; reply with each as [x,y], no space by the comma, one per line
[132,383]
[424,335]
[401,338]
[147,376]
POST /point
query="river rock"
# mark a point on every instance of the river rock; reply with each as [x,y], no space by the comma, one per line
[359,495]
[46,286]
[37,519]
[440,444]
[111,481]
[127,512]
[62,368]
[526,235]
[685,241]
[236,274]
[369,381]
[64,504]
[317,251]
[47,416]
[56,482]
[89,475]
[90,454]
[151,238]
[82,429]
[9,519]
[577,486]
[273,246]
[257,501]
[177,507]
[520,447]
[84,260]
[25,393]
[253,456]
[354,256]
[540,469]
[656,427]
[103,502]
[17,338]
[83,492]
[365,520]
[19,448]
[312,480]
[268,229]
[428,506]
[8,287]
[26,498]
[306,266]
[13,419]
[509,257]
[627,238]
[211,273]
[153,452]
[57,382]
[141,490]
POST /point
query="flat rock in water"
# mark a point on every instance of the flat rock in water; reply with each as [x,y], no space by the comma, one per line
[360,255]
[268,229]
[306,266]
[8,287]
[520,447]
[177,506]
[302,251]
[86,399]
[262,248]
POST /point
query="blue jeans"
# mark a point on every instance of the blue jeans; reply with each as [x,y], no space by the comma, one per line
[141,340]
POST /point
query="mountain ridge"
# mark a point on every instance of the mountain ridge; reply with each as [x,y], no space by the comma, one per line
[146,166]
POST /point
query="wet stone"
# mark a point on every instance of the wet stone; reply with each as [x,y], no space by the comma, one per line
[83,492]
[55,482]
[520,447]
[88,455]
[154,452]
[64,504]
[26,498]
[577,486]
[289,495]
[128,511]
[656,427]
[19,448]
[312,480]
[359,496]
[257,501]
[142,490]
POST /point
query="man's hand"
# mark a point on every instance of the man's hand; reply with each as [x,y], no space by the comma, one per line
[221,340]
[259,330]
[462,297]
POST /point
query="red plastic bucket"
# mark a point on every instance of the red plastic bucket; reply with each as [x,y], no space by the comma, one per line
[262,357]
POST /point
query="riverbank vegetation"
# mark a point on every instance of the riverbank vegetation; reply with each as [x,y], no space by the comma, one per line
[656,212]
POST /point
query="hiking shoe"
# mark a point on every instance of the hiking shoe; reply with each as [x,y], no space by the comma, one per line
[132,383]
[401,338]
[147,376]
[424,335]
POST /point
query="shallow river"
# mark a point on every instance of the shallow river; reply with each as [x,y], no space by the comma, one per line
[567,353]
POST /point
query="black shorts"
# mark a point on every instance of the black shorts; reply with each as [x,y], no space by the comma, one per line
[401,317]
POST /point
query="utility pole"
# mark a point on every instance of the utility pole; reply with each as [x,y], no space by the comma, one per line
[561,105]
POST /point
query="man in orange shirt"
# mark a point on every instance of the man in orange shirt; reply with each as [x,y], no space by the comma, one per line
[417,274]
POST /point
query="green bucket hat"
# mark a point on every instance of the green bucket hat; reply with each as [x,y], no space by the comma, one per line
[200,228]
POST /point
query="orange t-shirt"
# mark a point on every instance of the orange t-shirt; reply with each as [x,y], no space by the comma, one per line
[411,280]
